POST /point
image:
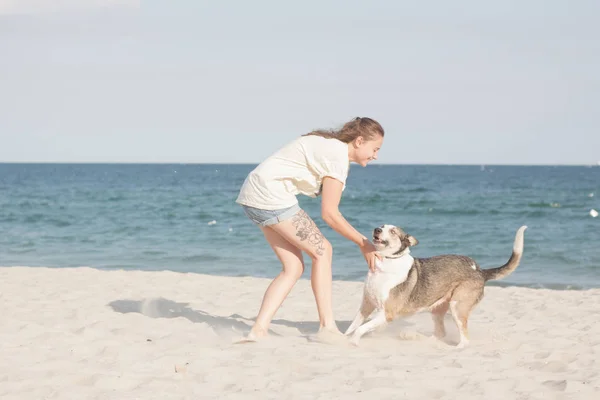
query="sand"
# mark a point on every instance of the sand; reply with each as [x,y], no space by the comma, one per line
[83,333]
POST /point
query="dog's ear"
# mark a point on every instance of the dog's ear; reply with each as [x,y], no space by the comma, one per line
[397,231]
[412,241]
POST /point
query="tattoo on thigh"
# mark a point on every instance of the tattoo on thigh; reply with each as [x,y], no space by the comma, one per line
[306,229]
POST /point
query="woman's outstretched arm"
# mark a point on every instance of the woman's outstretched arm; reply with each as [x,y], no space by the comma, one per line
[331,195]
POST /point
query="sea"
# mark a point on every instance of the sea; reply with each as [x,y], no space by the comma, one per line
[183,217]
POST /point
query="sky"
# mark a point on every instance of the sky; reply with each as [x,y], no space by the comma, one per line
[191,81]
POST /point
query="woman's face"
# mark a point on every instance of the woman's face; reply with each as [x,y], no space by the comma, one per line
[366,150]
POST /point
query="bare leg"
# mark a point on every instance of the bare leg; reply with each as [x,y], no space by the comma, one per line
[280,287]
[365,310]
[303,233]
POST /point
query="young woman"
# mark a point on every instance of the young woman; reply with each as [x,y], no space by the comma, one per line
[314,164]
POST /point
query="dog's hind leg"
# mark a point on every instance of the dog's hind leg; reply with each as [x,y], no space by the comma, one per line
[438,313]
[464,299]
[366,308]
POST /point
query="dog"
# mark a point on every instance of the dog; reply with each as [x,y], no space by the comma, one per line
[403,285]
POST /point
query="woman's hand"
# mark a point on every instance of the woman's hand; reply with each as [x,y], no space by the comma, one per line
[370,254]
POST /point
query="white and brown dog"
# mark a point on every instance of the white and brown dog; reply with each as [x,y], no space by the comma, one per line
[404,285]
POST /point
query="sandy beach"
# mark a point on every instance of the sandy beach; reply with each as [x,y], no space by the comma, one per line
[82,333]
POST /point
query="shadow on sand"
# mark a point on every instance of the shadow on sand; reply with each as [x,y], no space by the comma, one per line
[165,308]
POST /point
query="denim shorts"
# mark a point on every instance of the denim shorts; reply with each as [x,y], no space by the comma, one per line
[270,217]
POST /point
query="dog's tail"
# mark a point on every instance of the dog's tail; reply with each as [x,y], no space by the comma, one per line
[513,261]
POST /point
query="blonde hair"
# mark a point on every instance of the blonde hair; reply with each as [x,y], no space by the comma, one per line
[368,128]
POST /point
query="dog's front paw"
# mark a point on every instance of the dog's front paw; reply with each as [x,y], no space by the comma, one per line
[354,341]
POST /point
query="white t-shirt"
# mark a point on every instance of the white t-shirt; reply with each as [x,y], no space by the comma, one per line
[297,168]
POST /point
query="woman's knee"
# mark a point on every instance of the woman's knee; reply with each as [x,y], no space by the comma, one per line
[294,271]
[322,251]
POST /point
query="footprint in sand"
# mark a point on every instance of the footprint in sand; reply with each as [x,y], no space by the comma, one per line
[413,336]
[542,355]
[436,394]
[454,364]
[554,366]
[569,358]
[556,385]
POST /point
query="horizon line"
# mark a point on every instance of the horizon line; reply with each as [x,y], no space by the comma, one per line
[256,163]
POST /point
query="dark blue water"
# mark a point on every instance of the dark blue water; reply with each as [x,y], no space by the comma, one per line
[155,217]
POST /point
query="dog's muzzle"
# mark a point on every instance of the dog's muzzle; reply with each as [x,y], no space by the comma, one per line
[376,237]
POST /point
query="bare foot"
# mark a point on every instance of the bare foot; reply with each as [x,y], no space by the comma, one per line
[330,336]
[354,340]
[255,335]
[245,339]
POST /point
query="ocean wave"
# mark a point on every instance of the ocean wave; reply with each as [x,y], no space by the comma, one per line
[130,230]
[33,218]
[200,258]
[543,204]
[463,212]
[153,252]
[9,218]
[45,218]
[537,285]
